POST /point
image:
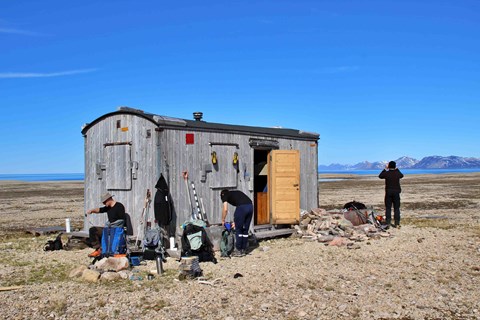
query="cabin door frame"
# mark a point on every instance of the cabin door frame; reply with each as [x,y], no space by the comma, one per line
[260,186]
[276,187]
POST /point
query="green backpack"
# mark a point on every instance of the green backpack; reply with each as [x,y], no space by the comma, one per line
[227,244]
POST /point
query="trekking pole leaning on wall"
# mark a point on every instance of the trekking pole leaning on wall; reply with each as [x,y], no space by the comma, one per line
[185,178]
[147,224]
[204,212]
[142,224]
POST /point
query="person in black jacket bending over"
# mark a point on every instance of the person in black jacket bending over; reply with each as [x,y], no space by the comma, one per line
[392,176]
[242,218]
[116,218]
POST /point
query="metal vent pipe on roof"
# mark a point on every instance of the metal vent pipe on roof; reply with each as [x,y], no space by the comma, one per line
[198,116]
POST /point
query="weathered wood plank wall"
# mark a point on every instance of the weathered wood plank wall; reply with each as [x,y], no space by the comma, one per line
[120,132]
[196,157]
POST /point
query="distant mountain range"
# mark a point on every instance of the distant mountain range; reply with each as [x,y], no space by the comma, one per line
[431,162]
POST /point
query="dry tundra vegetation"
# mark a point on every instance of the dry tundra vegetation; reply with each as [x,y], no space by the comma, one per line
[428,269]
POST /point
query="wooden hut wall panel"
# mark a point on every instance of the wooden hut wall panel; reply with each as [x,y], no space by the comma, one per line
[209,179]
[94,173]
[120,151]
[144,170]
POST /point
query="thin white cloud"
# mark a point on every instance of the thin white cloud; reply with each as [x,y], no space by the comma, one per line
[12,75]
[20,32]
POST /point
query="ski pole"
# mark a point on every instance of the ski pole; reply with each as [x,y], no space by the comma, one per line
[147,200]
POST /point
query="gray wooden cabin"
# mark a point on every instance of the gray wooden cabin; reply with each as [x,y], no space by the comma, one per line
[126,151]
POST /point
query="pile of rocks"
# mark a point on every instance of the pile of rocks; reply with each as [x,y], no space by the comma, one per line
[106,269]
[118,268]
[338,227]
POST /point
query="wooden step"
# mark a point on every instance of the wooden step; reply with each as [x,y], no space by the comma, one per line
[265,234]
[263,227]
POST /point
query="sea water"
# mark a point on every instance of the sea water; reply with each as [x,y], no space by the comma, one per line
[36,177]
[404,171]
[32,177]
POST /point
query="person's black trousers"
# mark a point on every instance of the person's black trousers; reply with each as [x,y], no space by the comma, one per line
[392,198]
[242,218]
[95,237]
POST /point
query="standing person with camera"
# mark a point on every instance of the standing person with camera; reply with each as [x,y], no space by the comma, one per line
[242,218]
[392,176]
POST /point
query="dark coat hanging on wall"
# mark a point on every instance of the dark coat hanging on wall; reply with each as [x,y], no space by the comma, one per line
[162,203]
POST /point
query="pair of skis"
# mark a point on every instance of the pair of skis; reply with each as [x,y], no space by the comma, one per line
[197,212]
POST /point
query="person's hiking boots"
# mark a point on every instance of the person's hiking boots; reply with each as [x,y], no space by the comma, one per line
[386,225]
[96,253]
[238,253]
[395,225]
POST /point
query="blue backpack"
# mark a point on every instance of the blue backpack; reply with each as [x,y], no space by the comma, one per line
[113,241]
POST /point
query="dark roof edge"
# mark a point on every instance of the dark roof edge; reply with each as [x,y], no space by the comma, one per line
[241,129]
[121,110]
[182,124]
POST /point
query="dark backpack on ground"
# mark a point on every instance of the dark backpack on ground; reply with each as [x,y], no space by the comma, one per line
[53,245]
[354,205]
[152,241]
[195,242]
[227,244]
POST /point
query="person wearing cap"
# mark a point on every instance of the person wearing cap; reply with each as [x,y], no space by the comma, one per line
[392,176]
[242,218]
[116,218]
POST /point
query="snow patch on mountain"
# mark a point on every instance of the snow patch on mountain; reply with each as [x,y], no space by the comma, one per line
[430,162]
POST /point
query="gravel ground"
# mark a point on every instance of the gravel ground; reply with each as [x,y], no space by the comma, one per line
[428,269]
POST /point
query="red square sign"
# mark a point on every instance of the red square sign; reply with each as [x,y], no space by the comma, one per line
[189,138]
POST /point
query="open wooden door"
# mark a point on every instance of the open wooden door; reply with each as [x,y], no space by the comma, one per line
[284,186]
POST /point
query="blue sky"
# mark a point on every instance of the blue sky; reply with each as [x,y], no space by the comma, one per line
[376,79]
